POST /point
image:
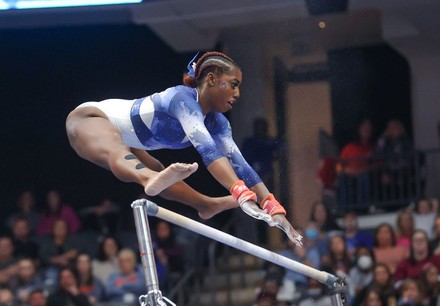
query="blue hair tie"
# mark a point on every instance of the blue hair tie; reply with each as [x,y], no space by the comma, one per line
[192,66]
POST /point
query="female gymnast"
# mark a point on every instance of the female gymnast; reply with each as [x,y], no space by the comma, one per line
[116,134]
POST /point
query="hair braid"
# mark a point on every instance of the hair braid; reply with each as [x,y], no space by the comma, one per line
[211,61]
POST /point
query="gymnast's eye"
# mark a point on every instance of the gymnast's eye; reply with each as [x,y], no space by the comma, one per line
[234,85]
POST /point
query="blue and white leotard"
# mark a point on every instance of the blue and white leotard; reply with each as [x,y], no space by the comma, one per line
[173,119]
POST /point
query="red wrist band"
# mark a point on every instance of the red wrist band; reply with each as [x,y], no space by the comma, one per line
[272,206]
[241,193]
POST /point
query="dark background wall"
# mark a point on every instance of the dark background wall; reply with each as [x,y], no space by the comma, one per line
[368,82]
[44,74]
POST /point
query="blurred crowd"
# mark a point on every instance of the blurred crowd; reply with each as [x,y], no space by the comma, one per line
[60,256]
[395,263]
[53,254]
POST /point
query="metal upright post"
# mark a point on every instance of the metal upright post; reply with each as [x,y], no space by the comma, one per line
[154,295]
[338,289]
[337,300]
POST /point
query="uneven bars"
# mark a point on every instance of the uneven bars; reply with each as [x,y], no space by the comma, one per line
[154,210]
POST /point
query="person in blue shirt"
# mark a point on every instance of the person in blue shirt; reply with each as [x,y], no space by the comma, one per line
[354,237]
[116,134]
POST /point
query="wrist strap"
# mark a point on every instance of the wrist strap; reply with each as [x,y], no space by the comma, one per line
[240,192]
[272,206]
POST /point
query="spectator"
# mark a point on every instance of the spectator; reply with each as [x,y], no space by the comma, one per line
[411,293]
[126,285]
[24,246]
[8,264]
[267,293]
[89,285]
[394,148]
[383,282]
[26,280]
[168,251]
[361,275]
[316,238]
[102,218]
[355,238]
[26,208]
[405,227]
[431,283]
[57,209]
[373,298]
[435,243]
[337,259]
[315,295]
[354,166]
[58,250]
[424,216]
[260,151]
[386,249]
[67,293]
[315,243]
[7,297]
[420,256]
[266,299]
[320,214]
[106,261]
[37,298]
[300,254]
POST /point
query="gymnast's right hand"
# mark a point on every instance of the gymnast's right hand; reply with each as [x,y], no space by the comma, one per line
[247,200]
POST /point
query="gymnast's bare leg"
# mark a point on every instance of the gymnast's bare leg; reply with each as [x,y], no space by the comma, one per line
[95,139]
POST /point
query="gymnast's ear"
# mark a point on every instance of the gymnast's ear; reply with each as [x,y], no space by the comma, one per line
[210,79]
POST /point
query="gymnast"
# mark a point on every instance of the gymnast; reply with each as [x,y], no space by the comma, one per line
[116,134]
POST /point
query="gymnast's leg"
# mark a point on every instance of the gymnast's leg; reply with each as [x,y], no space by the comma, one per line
[95,139]
[181,192]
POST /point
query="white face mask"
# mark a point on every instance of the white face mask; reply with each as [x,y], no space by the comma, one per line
[364,262]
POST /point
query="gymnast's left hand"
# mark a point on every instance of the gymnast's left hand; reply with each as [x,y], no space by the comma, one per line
[280,221]
[278,213]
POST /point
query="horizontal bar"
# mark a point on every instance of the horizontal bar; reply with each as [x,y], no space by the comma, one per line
[204,230]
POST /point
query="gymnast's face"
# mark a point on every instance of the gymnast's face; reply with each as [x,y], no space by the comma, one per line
[223,90]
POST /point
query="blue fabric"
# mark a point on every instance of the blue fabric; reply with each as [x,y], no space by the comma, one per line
[178,122]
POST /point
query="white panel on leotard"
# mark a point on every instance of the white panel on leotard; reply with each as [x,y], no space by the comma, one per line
[185,139]
[147,112]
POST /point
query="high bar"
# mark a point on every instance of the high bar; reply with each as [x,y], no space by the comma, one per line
[153,209]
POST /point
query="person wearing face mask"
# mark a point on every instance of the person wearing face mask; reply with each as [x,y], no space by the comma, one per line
[315,295]
[316,240]
[361,274]
[354,237]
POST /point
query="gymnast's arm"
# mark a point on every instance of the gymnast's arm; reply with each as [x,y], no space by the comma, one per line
[220,129]
[190,116]
[222,135]
[189,113]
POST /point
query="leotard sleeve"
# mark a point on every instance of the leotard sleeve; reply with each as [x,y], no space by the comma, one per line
[211,136]
[221,132]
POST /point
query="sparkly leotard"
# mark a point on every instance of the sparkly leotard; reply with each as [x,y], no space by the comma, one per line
[173,119]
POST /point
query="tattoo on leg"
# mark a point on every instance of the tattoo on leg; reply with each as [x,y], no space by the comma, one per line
[130,156]
[140,166]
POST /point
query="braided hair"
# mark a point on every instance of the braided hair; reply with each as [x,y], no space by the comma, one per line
[215,62]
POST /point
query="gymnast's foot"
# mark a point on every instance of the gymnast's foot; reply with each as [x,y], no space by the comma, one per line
[172,174]
[217,205]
